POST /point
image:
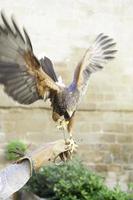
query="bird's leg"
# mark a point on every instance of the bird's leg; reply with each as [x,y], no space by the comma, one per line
[66,125]
[64,134]
[62,124]
[71,143]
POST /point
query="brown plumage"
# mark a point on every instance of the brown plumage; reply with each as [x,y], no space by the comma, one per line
[27,79]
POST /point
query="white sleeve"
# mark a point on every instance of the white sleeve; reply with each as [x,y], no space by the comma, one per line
[14,177]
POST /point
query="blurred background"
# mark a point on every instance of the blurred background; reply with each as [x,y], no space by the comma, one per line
[62,30]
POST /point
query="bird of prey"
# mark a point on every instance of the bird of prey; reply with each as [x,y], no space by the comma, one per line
[27,79]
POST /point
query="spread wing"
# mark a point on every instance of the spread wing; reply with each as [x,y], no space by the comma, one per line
[93,60]
[24,77]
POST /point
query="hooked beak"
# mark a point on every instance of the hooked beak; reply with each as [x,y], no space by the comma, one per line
[70,112]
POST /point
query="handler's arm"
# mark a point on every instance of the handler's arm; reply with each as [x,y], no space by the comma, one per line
[16,175]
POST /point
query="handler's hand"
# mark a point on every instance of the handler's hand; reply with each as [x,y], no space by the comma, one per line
[49,152]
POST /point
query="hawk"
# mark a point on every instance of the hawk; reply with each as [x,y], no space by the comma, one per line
[27,79]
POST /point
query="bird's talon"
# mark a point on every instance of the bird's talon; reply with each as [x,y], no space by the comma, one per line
[62,124]
[71,145]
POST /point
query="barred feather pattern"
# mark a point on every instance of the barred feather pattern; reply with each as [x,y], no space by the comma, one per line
[100,52]
[18,84]
[94,59]
[14,75]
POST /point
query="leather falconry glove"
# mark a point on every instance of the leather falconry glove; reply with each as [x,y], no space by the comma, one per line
[16,175]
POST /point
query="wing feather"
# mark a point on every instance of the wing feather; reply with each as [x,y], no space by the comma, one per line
[93,60]
[48,68]
[21,73]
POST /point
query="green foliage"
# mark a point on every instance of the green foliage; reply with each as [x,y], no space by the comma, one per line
[15,149]
[130,186]
[72,181]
